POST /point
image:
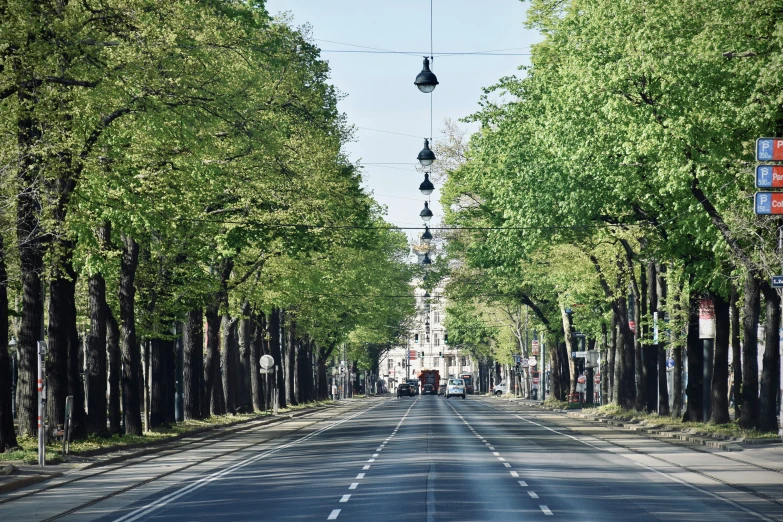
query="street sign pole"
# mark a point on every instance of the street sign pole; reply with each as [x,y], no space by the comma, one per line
[41,405]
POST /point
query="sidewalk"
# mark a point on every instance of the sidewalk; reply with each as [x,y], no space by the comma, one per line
[659,429]
[17,475]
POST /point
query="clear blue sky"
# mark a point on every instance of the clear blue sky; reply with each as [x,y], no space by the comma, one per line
[378,88]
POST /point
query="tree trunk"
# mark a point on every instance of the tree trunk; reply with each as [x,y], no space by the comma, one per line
[663,388]
[157,383]
[650,351]
[554,375]
[611,370]
[625,343]
[115,370]
[736,353]
[57,368]
[244,395]
[770,367]
[256,351]
[640,402]
[131,355]
[7,432]
[276,351]
[719,399]
[695,354]
[571,346]
[96,343]
[96,365]
[212,380]
[28,228]
[76,354]
[290,361]
[170,380]
[193,372]
[750,366]
[605,365]
[228,347]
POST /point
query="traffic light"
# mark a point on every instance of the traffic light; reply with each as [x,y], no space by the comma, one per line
[440,354]
[421,355]
[416,338]
[445,338]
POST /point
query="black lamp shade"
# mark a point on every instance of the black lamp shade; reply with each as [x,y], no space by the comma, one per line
[426,157]
[426,81]
[426,237]
[426,214]
[426,261]
[426,186]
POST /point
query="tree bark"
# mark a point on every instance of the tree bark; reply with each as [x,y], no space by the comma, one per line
[290,360]
[193,381]
[626,389]
[276,351]
[571,346]
[244,394]
[750,366]
[770,365]
[650,350]
[96,343]
[7,432]
[663,388]
[57,367]
[695,353]
[736,353]
[29,236]
[605,365]
[131,354]
[719,398]
[115,365]
[611,370]
[157,383]
[555,377]
[227,347]
[256,351]
[212,380]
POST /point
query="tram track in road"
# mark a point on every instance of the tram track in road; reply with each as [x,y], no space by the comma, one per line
[189,446]
[737,487]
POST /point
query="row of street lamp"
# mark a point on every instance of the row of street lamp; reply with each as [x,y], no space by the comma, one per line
[426,81]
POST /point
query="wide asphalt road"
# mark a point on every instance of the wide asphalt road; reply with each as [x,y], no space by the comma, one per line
[425,458]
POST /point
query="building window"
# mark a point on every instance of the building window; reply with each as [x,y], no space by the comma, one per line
[437,340]
[436,318]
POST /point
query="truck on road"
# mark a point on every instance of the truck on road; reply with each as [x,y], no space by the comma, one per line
[430,381]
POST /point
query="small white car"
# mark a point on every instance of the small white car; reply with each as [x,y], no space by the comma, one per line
[455,387]
[500,389]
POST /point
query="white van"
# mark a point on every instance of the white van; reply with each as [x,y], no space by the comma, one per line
[501,388]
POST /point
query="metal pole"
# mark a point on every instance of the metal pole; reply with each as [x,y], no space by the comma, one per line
[542,370]
[179,400]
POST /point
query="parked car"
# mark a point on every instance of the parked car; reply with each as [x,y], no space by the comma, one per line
[455,387]
[428,389]
[405,389]
[500,389]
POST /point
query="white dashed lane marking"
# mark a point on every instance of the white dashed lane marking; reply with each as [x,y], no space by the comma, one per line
[522,483]
[345,498]
[515,474]
[353,485]
[546,510]
[333,515]
[532,494]
[360,476]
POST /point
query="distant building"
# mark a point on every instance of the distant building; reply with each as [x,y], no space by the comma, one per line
[427,345]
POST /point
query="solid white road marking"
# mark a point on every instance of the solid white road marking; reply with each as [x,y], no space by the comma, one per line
[353,485]
[546,510]
[333,515]
[531,493]
[360,476]
[345,498]
[514,474]
[367,466]
[522,483]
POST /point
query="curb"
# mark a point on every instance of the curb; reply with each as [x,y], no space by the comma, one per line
[27,481]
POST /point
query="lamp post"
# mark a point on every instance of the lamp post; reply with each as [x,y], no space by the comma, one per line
[426,157]
[426,186]
[426,213]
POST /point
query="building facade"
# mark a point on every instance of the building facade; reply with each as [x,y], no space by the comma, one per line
[427,346]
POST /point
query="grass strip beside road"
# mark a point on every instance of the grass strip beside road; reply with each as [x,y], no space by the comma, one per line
[27,452]
[653,420]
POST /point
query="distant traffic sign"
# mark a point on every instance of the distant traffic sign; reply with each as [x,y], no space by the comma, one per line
[532,362]
[777,281]
[769,149]
[769,176]
[767,203]
[266,362]
[670,363]
[579,354]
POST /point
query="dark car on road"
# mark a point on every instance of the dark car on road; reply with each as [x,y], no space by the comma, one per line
[428,389]
[405,389]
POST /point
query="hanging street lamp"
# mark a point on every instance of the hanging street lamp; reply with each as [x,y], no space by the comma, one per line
[426,262]
[426,80]
[426,186]
[426,237]
[426,157]
[426,213]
